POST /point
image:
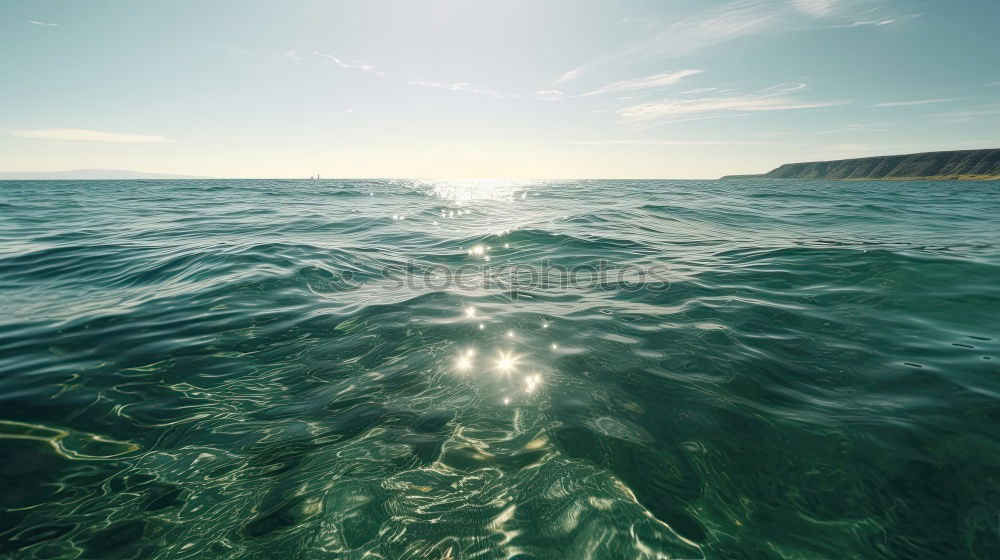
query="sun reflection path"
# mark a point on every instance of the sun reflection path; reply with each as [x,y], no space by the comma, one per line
[507,362]
[518,374]
[532,382]
[463,363]
[476,190]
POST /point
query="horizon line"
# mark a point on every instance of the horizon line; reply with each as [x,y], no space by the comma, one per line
[262,178]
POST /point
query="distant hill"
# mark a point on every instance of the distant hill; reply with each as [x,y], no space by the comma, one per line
[961,164]
[89,174]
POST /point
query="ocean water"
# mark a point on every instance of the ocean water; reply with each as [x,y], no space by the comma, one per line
[499,370]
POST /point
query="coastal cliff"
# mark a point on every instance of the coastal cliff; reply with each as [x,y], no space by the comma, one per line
[962,164]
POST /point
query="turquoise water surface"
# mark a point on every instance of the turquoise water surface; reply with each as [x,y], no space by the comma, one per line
[499,370]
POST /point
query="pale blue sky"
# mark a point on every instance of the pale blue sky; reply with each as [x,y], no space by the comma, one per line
[548,89]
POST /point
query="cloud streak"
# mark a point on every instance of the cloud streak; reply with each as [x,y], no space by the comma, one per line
[867,23]
[708,28]
[351,65]
[470,88]
[657,80]
[971,114]
[875,22]
[815,8]
[915,103]
[735,20]
[42,23]
[569,75]
[778,98]
[85,135]
[549,95]
[678,107]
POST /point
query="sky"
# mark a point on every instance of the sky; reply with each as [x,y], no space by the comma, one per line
[512,89]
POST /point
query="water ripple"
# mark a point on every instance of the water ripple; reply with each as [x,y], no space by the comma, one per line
[268,369]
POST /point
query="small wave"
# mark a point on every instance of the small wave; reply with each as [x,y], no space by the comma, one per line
[257,368]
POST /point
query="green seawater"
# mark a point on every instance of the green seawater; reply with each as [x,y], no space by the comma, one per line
[352,369]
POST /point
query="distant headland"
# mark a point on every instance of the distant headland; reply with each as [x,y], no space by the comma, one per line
[954,165]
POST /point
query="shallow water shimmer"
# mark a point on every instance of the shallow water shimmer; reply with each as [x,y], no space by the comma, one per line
[386,369]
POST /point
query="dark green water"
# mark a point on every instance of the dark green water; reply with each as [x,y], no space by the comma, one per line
[290,369]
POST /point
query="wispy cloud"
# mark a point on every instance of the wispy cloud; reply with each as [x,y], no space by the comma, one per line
[700,90]
[972,114]
[570,75]
[658,80]
[778,98]
[815,8]
[881,22]
[549,95]
[467,88]
[42,23]
[708,28]
[353,64]
[867,23]
[292,55]
[849,129]
[918,102]
[676,107]
[735,20]
[84,135]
